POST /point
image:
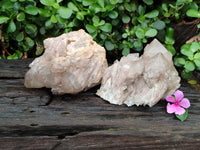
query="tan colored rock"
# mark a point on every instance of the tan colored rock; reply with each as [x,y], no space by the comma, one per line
[71,63]
[141,80]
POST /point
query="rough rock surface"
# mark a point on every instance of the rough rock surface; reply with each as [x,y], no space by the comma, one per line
[141,80]
[71,63]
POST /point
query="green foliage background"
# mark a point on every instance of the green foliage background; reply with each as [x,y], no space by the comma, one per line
[121,26]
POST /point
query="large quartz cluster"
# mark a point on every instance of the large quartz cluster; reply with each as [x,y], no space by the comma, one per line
[71,63]
[141,80]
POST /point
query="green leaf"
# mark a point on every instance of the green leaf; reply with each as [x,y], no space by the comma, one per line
[113,2]
[160,25]
[186,75]
[11,26]
[80,16]
[32,10]
[31,28]
[90,28]
[128,7]
[151,33]
[21,16]
[72,6]
[148,2]
[181,61]
[29,42]
[48,24]
[107,27]
[101,3]
[171,48]
[125,51]
[65,12]
[197,62]
[53,19]
[194,47]
[193,13]
[126,19]
[3,19]
[152,14]
[95,19]
[47,2]
[197,55]
[113,14]
[44,13]
[185,50]
[140,33]
[20,37]
[138,44]
[183,117]
[189,66]
[110,7]
[109,45]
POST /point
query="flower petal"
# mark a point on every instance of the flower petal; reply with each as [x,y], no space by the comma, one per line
[179,110]
[185,103]
[179,95]
[171,108]
[170,98]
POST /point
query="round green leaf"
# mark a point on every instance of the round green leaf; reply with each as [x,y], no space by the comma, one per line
[128,7]
[137,44]
[152,14]
[72,6]
[151,33]
[11,26]
[48,24]
[185,50]
[113,2]
[90,28]
[3,19]
[125,51]
[80,16]
[29,42]
[44,12]
[148,2]
[32,10]
[186,75]
[53,19]
[126,19]
[113,14]
[47,2]
[101,3]
[110,7]
[160,25]
[21,16]
[65,12]
[193,13]
[31,28]
[189,66]
[171,48]
[95,19]
[197,55]
[20,36]
[181,61]
[194,47]
[140,33]
[109,45]
[197,62]
[107,27]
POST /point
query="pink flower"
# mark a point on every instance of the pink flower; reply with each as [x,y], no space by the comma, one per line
[179,103]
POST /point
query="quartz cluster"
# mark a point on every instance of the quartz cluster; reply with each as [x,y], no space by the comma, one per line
[71,63]
[141,80]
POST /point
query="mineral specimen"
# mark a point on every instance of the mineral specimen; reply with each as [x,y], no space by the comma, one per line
[71,63]
[141,80]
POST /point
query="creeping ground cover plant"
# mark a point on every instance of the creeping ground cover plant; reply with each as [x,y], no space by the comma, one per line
[178,105]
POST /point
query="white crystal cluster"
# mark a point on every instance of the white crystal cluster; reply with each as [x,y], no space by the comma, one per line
[71,63]
[141,80]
